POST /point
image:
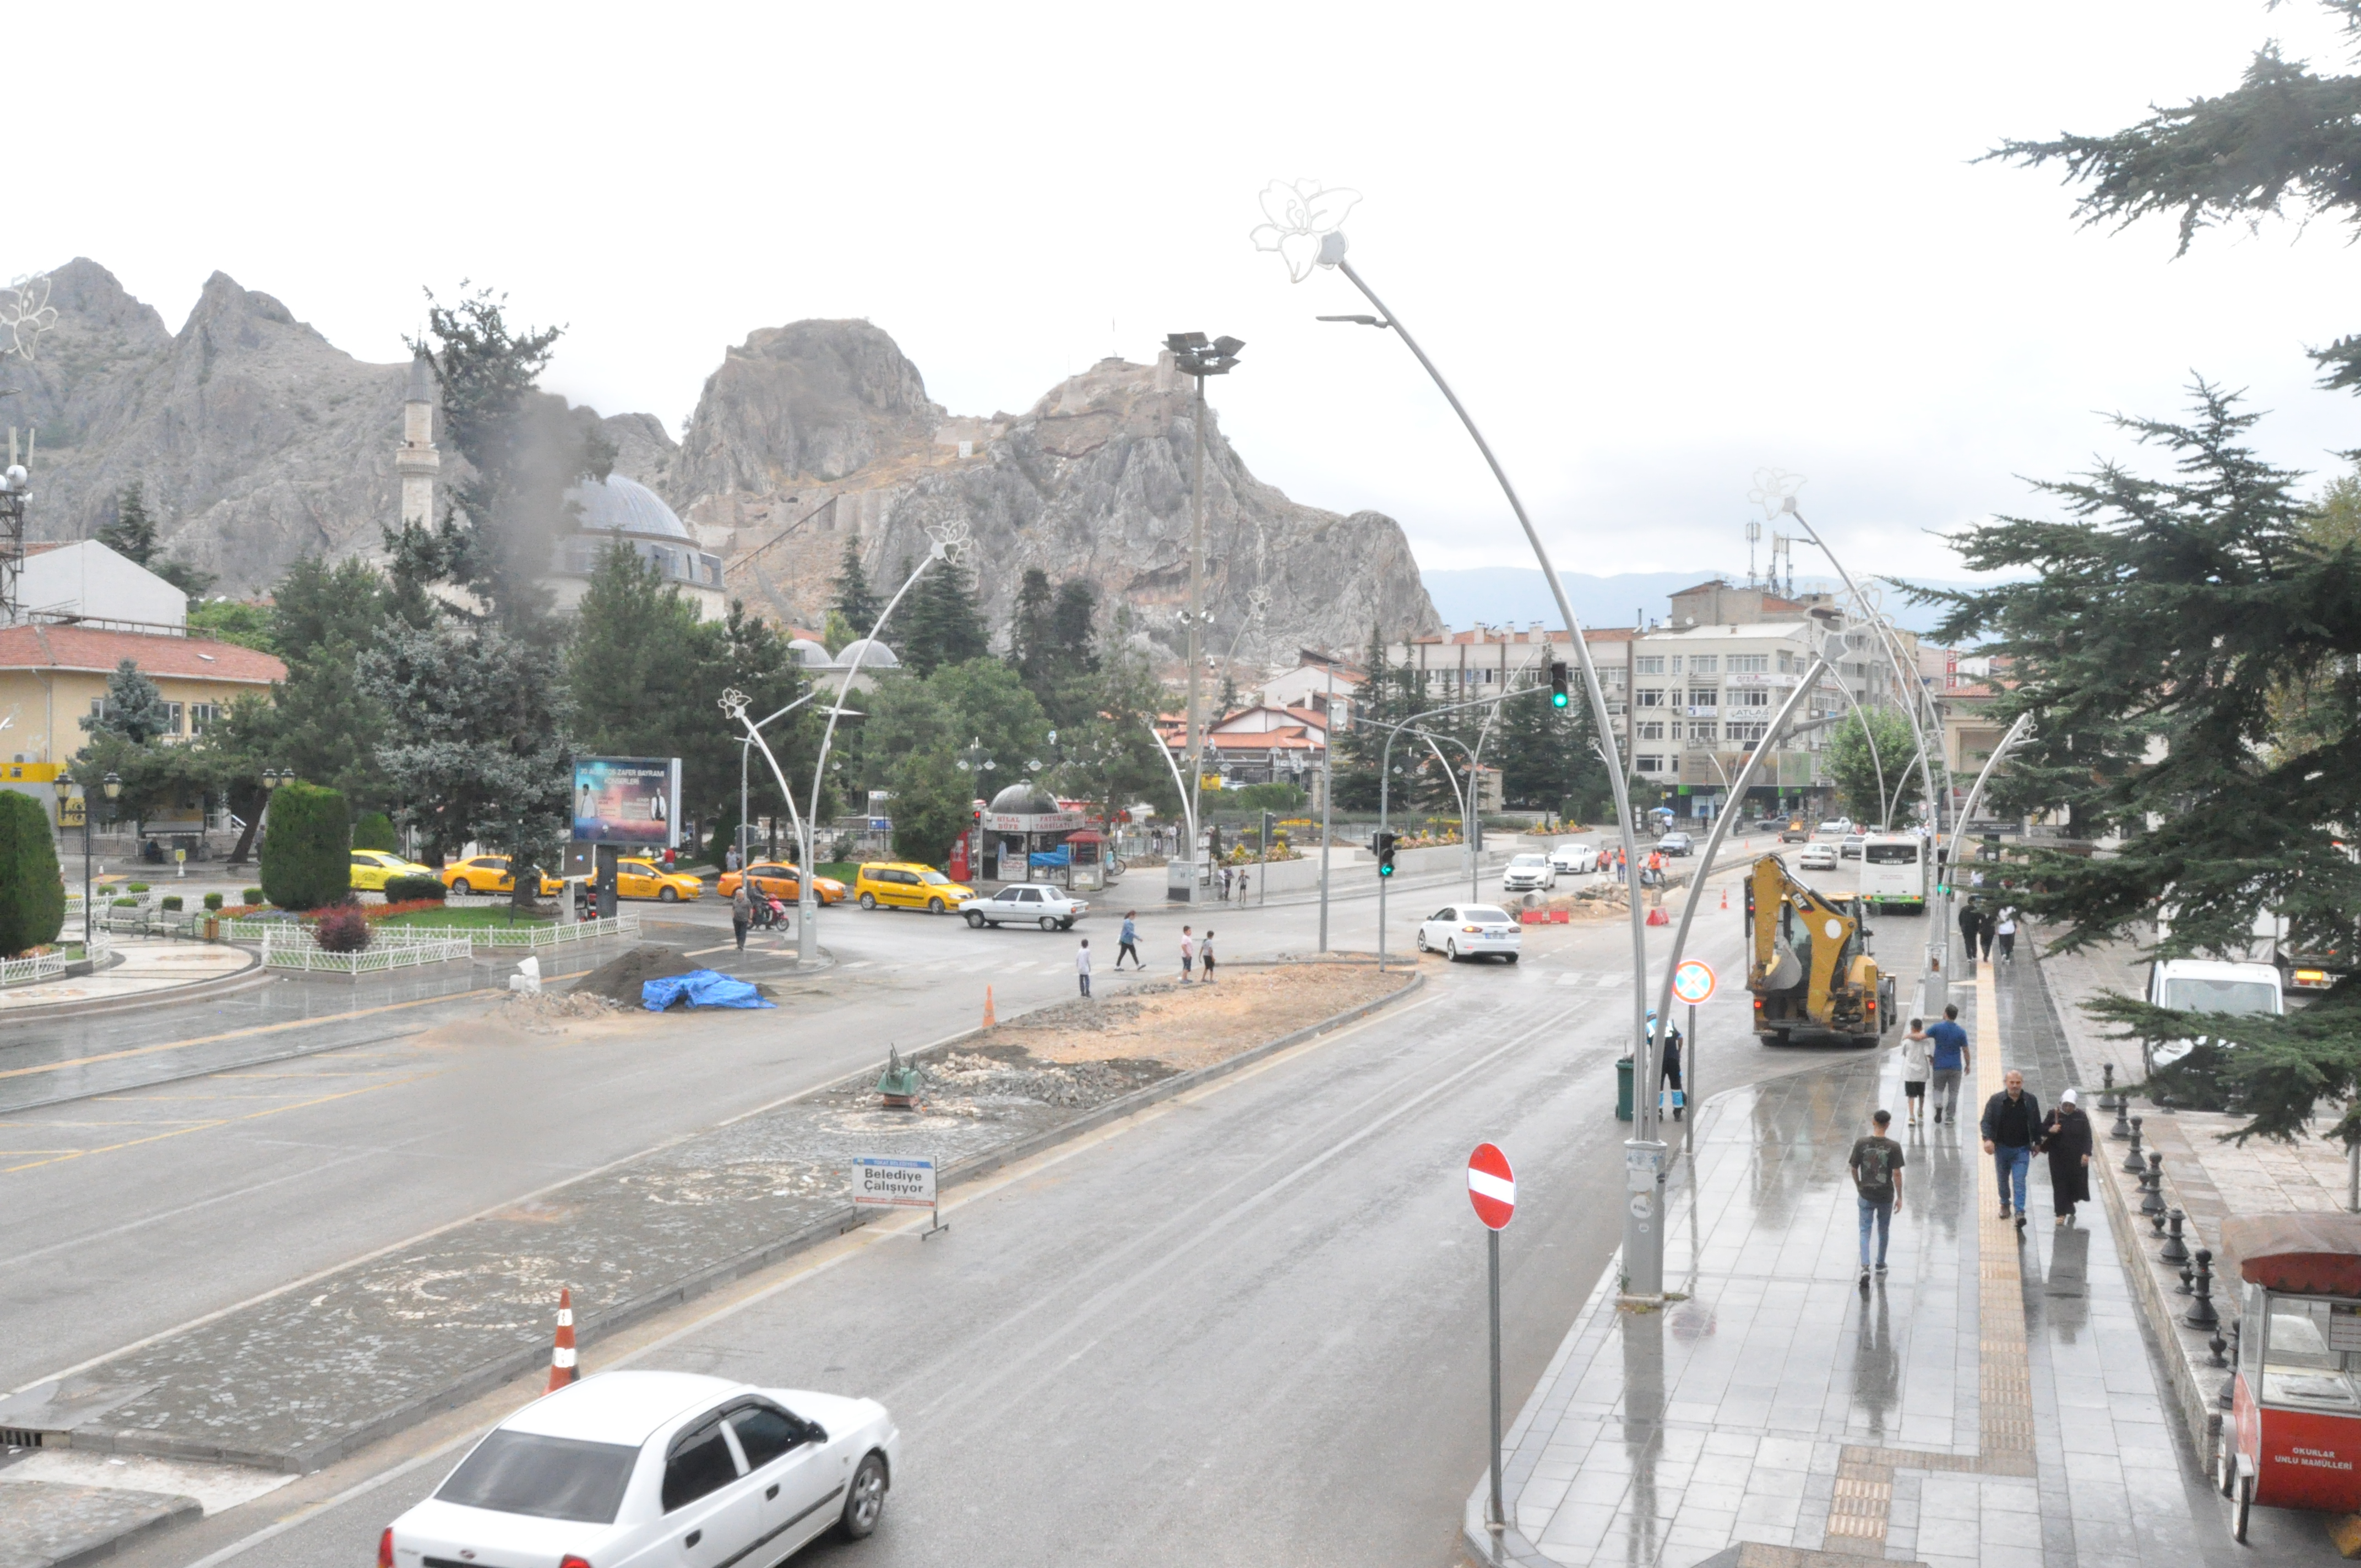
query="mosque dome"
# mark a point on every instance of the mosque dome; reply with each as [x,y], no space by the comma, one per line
[1024,798]
[625,506]
[872,655]
[809,655]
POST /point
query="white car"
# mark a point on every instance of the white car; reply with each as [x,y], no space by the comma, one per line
[1835,827]
[2207,985]
[1575,859]
[637,1469]
[1027,904]
[1820,856]
[1528,873]
[1470,931]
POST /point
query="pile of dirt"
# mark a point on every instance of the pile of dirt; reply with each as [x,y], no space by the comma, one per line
[1013,1075]
[548,1012]
[1084,1013]
[620,978]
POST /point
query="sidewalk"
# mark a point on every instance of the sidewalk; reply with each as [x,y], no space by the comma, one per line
[1993,1401]
[150,967]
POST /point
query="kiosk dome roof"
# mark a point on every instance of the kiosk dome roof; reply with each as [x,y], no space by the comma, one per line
[871,654]
[618,505]
[1024,798]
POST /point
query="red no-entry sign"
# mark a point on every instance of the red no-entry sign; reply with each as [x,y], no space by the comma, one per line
[1491,1186]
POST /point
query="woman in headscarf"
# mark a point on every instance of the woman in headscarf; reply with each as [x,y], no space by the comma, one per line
[2066,1138]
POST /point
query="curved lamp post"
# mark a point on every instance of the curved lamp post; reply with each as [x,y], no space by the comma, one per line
[1304,229]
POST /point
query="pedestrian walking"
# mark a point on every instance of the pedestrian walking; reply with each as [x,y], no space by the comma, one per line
[2005,927]
[1917,1066]
[1876,1166]
[1950,1057]
[1206,955]
[1130,940]
[1188,955]
[1971,922]
[2067,1139]
[1985,932]
[1082,965]
[2012,1121]
[1670,1074]
[741,914]
[1225,884]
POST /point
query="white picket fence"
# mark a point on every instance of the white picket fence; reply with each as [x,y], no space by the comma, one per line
[445,942]
[46,966]
[292,947]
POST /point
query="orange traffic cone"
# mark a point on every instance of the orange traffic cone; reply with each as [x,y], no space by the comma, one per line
[562,1369]
[1658,917]
[1725,897]
[988,1019]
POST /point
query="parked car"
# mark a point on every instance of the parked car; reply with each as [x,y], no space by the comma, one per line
[1528,873]
[1470,931]
[1029,904]
[1573,859]
[781,882]
[907,885]
[624,1467]
[1676,844]
[490,874]
[645,879]
[372,868]
[1770,824]
[1819,857]
[1848,847]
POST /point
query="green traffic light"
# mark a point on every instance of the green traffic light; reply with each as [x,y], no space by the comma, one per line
[1557,699]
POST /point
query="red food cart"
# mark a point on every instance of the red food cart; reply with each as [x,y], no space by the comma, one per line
[2294,1436]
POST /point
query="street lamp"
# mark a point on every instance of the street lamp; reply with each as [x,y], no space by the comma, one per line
[1193,357]
[743,748]
[65,783]
[1304,229]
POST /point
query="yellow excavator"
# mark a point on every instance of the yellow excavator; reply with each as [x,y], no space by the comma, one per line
[1811,971]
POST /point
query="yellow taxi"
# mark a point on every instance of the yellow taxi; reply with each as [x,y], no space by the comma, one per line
[904,885]
[645,879]
[781,882]
[490,874]
[373,868]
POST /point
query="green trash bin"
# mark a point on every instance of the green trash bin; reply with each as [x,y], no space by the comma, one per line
[1623,1090]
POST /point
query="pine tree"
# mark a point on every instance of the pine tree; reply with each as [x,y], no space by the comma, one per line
[856,602]
[2155,645]
[941,621]
[1032,637]
[132,534]
[134,709]
[32,897]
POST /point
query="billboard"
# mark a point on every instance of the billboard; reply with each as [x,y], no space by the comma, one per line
[631,801]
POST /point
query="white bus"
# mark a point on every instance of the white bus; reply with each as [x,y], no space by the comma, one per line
[1893,871]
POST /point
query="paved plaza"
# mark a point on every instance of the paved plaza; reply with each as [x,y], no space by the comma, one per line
[1990,1401]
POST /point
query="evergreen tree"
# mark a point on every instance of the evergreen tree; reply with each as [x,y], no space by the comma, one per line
[32,895]
[523,449]
[856,602]
[940,620]
[1073,626]
[2155,644]
[2282,136]
[1032,648]
[1873,765]
[132,533]
[322,725]
[232,620]
[307,859]
[134,709]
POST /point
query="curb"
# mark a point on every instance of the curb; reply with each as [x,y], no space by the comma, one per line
[491,1375]
[180,1510]
[2197,1411]
[195,991]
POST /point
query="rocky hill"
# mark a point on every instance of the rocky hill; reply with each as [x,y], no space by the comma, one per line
[258,442]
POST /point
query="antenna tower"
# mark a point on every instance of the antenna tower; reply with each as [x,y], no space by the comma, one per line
[1753,533]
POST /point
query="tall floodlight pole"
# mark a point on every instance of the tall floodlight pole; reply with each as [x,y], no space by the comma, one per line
[1192,355]
[1304,228]
[1327,797]
[1770,485]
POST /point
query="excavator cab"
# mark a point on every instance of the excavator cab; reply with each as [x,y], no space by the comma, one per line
[1811,970]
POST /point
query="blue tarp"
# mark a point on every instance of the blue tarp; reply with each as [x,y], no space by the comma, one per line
[700,988]
[1060,856]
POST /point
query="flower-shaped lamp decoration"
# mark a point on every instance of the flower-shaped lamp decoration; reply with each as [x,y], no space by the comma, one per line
[1304,224]
[25,314]
[733,703]
[1774,490]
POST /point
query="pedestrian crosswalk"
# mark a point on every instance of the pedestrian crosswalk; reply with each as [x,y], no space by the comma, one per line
[1593,979]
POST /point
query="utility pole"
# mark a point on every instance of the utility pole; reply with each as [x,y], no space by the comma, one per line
[1194,356]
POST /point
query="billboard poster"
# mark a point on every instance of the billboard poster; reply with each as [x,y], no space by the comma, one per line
[627,800]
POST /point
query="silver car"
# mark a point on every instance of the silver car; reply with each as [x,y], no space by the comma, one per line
[1027,904]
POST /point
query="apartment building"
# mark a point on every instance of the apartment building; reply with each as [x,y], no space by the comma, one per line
[1702,699]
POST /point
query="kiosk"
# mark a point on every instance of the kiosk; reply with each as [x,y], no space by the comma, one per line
[2293,1439]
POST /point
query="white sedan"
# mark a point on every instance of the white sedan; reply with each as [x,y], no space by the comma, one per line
[1573,859]
[1528,873]
[1469,931]
[633,1469]
[1027,904]
[1818,855]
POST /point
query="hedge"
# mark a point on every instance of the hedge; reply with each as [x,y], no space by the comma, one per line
[409,889]
[32,897]
[307,847]
[374,831]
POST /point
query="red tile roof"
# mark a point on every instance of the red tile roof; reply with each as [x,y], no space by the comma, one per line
[85,648]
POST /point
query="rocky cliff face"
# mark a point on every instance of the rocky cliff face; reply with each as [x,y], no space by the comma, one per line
[259,442]
[801,447]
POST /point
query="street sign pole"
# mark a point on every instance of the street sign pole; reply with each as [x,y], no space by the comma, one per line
[1690,1077]
[1692,981]
[1492,1192]
[1499,1520]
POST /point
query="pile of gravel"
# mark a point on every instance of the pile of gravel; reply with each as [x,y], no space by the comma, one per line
[965,1075]
[546,1013]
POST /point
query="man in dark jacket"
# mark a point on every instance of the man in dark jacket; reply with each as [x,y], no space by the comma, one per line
[1971,925]
[2011,1125]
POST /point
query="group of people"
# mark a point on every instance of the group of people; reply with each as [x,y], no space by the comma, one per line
[1981,929]
[1196,952]
[2011,1129]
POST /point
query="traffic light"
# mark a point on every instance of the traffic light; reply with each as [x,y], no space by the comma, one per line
[1385,848]
[1559,695]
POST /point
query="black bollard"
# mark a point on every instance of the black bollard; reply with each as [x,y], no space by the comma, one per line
[2228,1396]
[2136,1162]
[2175,1249]
[2201,1315]
[2153,1204]
[2123,1127]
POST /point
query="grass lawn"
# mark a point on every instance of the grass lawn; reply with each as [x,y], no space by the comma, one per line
[845,872]
[468,919]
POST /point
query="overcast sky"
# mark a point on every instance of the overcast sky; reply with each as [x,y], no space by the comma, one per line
[1655,248]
